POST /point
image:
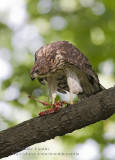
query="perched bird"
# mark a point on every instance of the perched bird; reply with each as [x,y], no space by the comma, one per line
[65,68]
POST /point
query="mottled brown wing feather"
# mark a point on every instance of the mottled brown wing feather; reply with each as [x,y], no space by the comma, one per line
[70,54]
[74,56]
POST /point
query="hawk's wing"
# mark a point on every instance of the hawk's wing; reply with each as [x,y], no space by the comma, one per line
[72,55]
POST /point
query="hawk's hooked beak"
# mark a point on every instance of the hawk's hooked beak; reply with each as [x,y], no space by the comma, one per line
[32,78]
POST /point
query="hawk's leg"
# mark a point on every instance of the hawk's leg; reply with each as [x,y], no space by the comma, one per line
[73,83]
[52,84]
[53,100]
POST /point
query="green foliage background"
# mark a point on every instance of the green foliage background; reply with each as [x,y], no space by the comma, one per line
[91,28]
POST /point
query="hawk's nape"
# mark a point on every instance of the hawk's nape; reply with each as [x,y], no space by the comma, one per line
[65,68]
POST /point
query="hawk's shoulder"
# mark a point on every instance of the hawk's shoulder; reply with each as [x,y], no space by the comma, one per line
[74,56]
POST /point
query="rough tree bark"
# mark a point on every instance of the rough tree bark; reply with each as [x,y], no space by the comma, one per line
[90,110]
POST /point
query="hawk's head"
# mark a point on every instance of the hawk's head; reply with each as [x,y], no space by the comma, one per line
[40,69]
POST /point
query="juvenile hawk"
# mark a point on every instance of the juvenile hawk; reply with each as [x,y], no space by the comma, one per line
[65,68]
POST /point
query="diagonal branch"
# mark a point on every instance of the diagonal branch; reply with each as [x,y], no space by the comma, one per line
[92,109]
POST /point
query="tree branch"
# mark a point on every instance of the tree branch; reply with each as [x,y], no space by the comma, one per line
[92,109]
